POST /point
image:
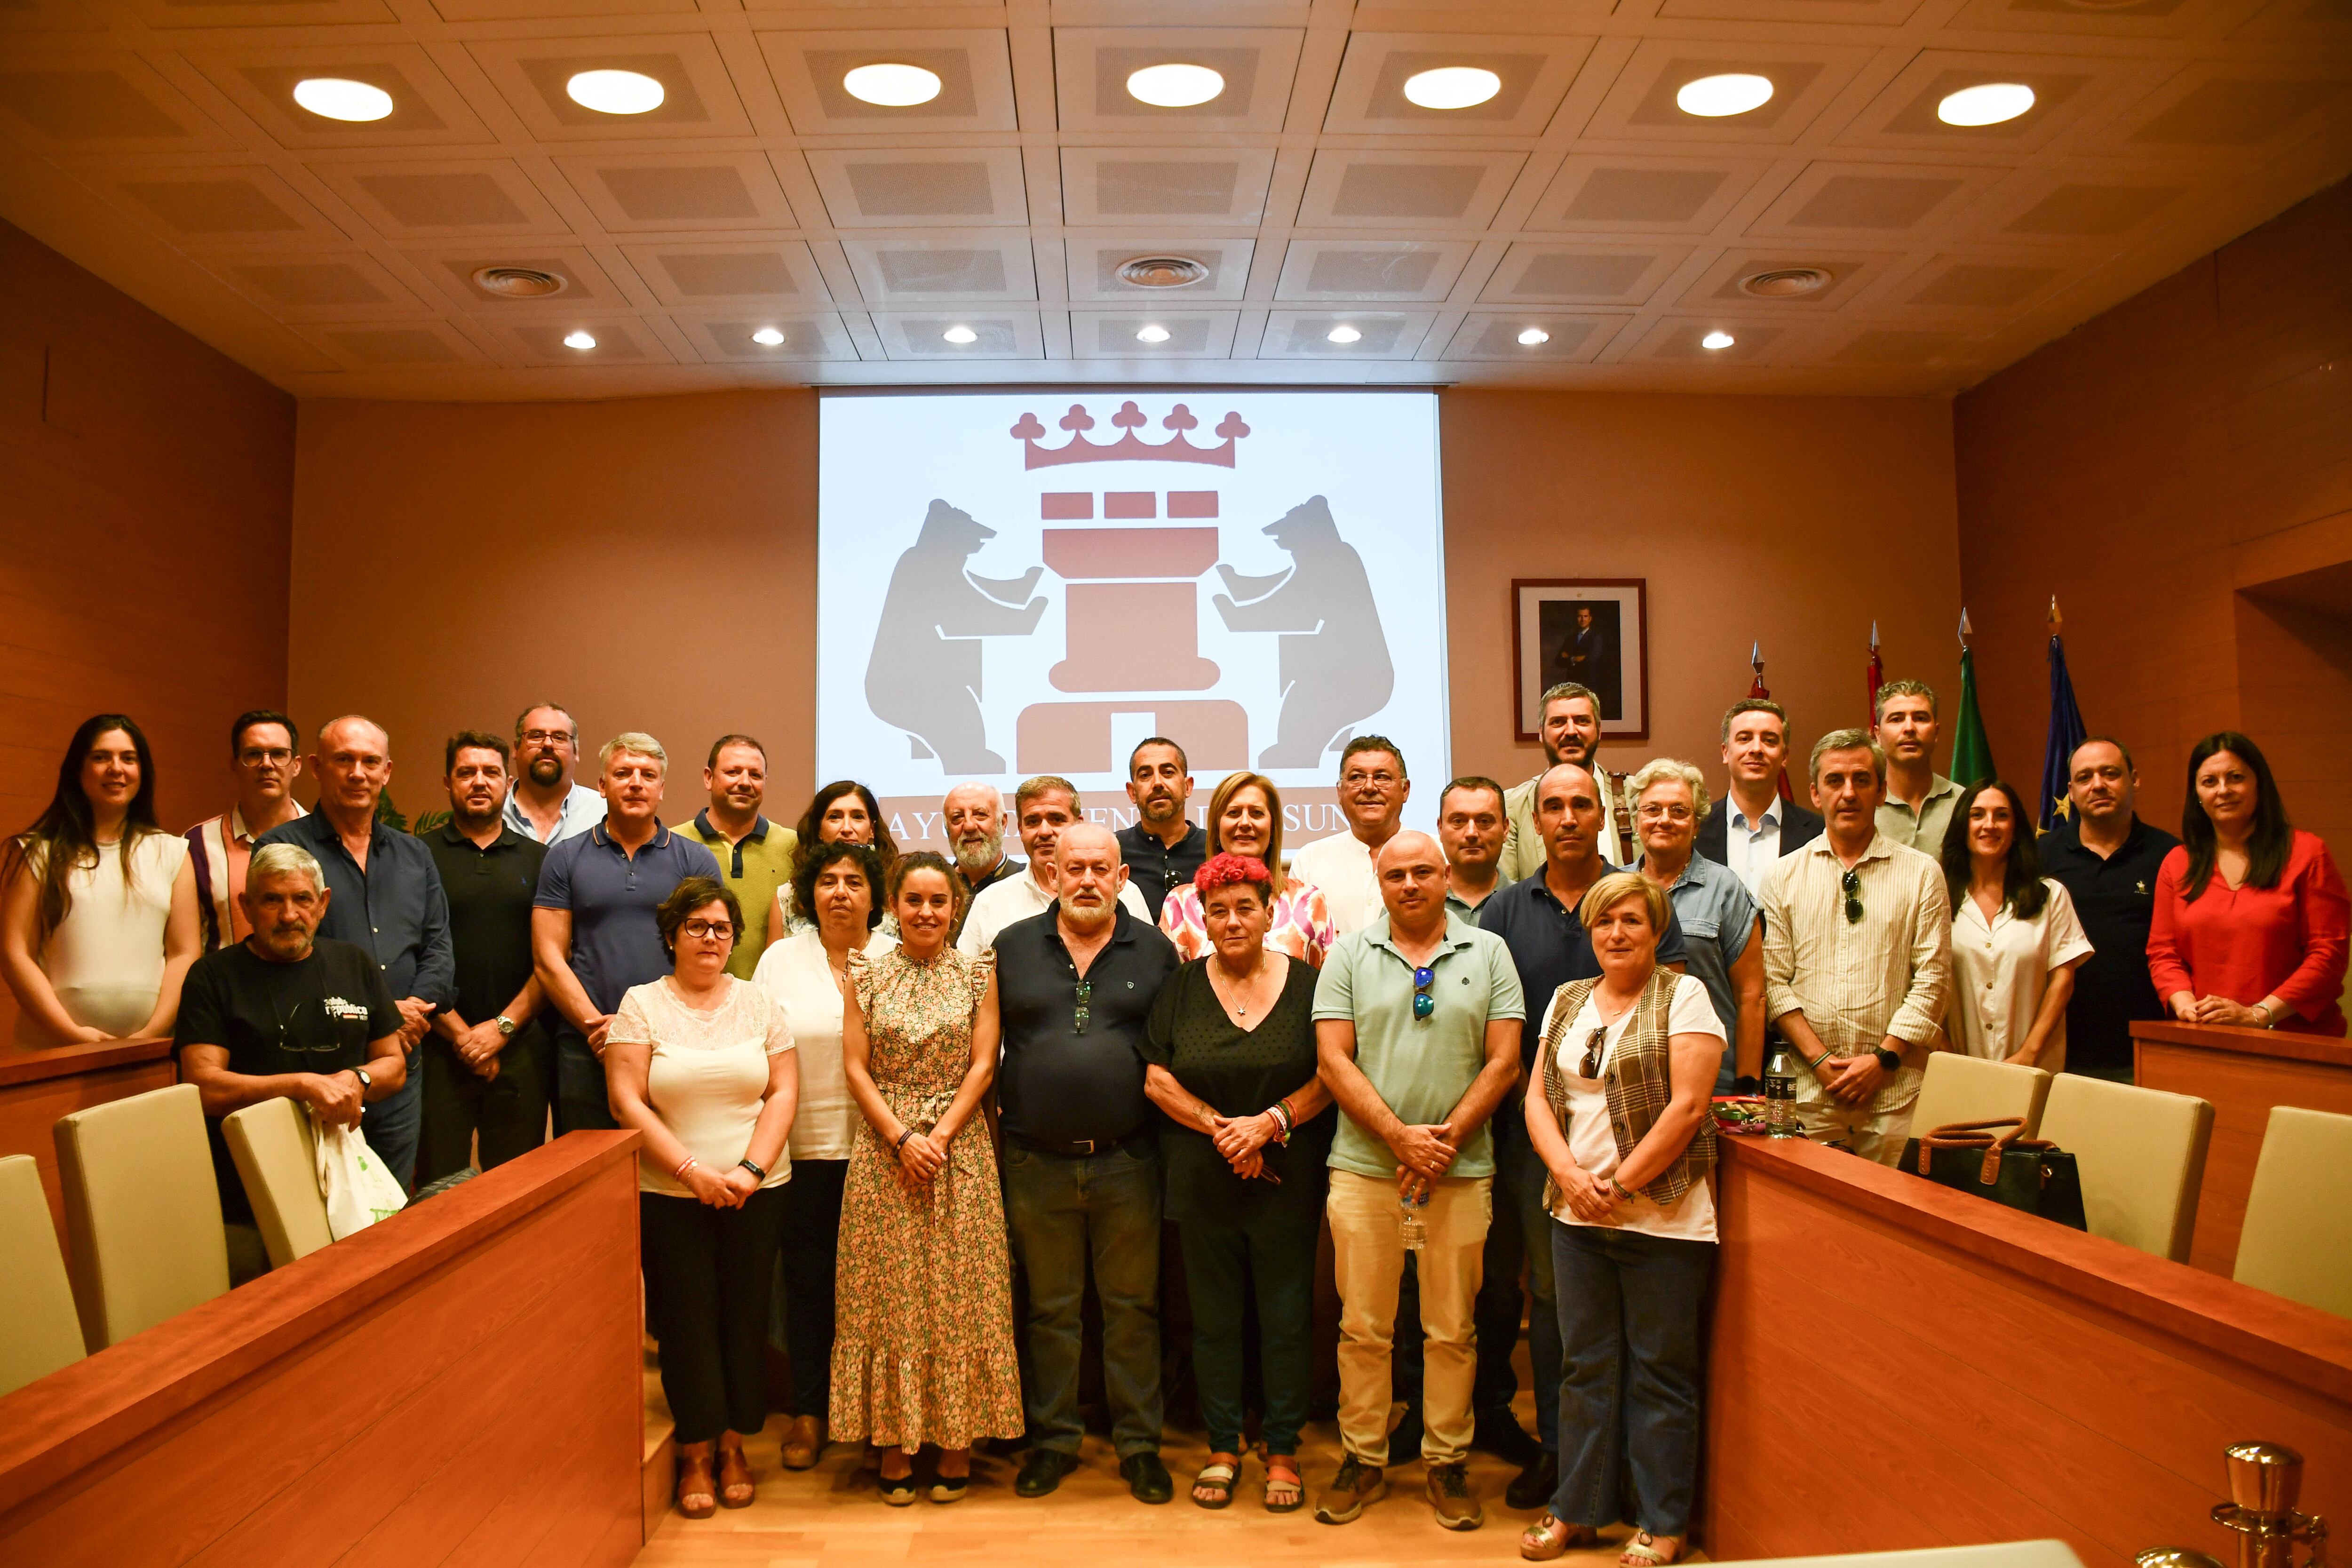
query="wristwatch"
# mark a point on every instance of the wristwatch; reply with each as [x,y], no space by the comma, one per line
[366,1082]
[505,1026]
[1887,1060]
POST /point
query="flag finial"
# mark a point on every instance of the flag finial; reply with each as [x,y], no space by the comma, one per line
[2057,621]
[1874,637]
[1965,630]
[1756,657]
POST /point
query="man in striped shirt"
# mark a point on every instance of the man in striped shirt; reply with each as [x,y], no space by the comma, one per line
[262,755]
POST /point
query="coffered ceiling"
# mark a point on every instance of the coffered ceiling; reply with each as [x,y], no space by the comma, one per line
[1576,228]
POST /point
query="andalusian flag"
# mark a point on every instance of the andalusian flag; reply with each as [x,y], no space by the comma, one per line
[1873,676]
[1971,753]
[2065,729]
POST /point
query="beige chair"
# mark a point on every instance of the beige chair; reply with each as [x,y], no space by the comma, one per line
[2141,1152]
[2297,1240]
[142,1212]
[39,1332]
[1965,1088]
[277,1158]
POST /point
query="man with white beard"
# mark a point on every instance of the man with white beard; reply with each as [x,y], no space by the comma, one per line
[975,819]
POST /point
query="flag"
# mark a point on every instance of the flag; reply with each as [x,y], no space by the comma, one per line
[1758,688]
[1875,677]
[2065,729]
[1971,753]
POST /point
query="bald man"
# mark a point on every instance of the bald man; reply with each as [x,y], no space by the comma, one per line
[1417,1020]
[1075,988]
[386,897]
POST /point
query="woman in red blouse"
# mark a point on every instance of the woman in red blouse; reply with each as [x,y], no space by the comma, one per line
[2251,916]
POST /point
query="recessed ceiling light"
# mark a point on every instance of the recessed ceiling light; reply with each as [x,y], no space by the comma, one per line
[1153,333]
[333,98]
[1174,85]
[892,86]
[1714,97]
[1987,103]
[1717,338]
[767,337]
[1343,333]
[1452,87]
[1534,335]
[582,340]
[614,91]
[960,334]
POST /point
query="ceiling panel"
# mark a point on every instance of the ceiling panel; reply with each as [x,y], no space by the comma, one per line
[981,265]
[1838,199]
[588,286]
[678,192]
[1565,339]
[109,101]
[1405,193]
[319,285]
[237,205]
[427,109]
[974,68]
[807,338]
[996,335]
[1191,334]
[1596,194]
[1370,98]
[777,273]
[700,99]
[446,196]
[946,186]
[1641,105]
[1091,66]
[1212,185]
[1370,269]
[1381,334]
[371,347]
[1546,273]
[1093,261]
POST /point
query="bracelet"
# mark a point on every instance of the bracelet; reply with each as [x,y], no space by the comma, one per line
[900,1146]
[1280,1112]
[690,1163]
[1814,1066]
[755,1169]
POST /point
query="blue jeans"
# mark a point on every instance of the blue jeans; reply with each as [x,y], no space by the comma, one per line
[1628,1327]
[393,1125]
[1521,1233]
[1063,1212]
[1274,1253]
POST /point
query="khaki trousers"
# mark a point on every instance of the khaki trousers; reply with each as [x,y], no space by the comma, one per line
[1368,1251]
[1873,1134]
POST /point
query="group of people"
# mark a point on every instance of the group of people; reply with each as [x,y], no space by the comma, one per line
[937,1094]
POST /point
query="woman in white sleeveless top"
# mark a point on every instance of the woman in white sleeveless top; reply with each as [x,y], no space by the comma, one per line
[97,904]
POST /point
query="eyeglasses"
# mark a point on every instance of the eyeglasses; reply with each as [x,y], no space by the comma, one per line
[1086,990]
[1851,883]
[698,929]
[1423,1003]
[1592,1045]
[545,737]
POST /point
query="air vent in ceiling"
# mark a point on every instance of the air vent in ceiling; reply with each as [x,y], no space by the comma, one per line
[519,283]
[1785,282]
[1161,271]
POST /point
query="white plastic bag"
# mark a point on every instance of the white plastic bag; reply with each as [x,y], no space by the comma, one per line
[359,1189]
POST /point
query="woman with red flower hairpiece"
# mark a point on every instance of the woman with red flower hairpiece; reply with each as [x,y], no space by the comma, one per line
[1230,1058]
[1244,821]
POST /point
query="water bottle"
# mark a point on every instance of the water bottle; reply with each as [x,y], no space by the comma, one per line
[1780,1094]
[1414,1229]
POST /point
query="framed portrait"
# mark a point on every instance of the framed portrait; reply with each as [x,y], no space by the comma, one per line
[1595,631]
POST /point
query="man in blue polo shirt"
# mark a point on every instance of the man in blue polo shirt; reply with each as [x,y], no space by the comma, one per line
[593,934]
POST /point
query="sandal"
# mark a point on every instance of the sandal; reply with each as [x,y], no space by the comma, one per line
[1286,1489]
[736,1487]
[1547,1537]
[1216,1479]
[946,1487]
[899,1491]
[1642,1552]
[698,1495]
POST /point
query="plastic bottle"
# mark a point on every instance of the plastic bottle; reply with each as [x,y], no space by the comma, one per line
[1780,1094]
[1414,1229]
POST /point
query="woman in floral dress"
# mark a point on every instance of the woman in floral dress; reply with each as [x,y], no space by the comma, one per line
[923,1352]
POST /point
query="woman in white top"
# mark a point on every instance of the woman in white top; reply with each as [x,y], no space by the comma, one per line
[98,905]
[2016,941]
[702,1064]
[1621,1122]
[842,811]
[841,880]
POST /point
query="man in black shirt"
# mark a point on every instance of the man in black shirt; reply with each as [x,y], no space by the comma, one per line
[1162,848]
[1075,988]
[485,1059]
[2107,859]
[285,1014]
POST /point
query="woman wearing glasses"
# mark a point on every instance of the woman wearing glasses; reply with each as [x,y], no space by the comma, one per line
[1627,1066]
[1722,937]
[1244,817]
[701,1063]
[922,1348]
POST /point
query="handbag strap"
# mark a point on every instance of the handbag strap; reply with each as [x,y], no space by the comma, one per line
[1982,1135]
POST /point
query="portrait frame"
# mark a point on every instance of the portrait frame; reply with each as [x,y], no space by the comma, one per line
[1609,650]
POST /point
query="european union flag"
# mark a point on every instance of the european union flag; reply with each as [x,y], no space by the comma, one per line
[2065,730]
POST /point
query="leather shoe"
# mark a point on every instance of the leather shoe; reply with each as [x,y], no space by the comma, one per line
[1533,1487]
[1147,1478]
[1501,1434]
[1042,1471]
[803,1441]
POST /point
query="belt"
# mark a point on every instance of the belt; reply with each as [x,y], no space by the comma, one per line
[1083,1147]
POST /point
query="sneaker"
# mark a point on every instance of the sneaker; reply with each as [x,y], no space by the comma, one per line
[1356,1485]
[1449,1494]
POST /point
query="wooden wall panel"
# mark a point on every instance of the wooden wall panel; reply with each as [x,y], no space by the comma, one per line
[38,1087]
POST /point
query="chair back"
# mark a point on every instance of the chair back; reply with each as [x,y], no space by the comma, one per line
[1966,1089]
[142,1212]
[2297,1240]
[2141,1152]
[275,1154]
[39,1330]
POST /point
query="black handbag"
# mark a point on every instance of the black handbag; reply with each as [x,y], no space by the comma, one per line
[1995,1160]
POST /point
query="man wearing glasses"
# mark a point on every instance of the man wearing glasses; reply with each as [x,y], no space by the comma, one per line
[1857,958]
[1075,988]
[263,757]
[1374,788]
[1164,848]
[1417,1021]
[545,802]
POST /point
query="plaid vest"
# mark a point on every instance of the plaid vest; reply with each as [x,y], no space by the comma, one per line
[1638,1083]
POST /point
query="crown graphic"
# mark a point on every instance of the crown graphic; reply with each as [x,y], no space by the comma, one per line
[1127,449]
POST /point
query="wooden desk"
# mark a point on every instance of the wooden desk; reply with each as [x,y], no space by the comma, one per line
[37,1087]
[458,1384]
[2244,1072]
[1896,1364]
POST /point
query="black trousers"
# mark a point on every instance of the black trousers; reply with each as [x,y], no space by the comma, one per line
[508,1113]
[812,1239]
[707,1279]
[582,1103]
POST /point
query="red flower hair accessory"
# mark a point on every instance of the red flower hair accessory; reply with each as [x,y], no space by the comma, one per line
[1228,871]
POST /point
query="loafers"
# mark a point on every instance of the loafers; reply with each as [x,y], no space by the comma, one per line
[1147,1478]
[1042,1471]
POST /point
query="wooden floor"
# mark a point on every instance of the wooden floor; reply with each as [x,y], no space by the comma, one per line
[831,1518]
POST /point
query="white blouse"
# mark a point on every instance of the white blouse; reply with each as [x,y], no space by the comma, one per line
[796,974]
[2002,970]
[1591,1139]
[709,1073]
[105,960]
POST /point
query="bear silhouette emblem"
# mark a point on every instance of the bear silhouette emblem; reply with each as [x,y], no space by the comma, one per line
[924,676]
[1335,670]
